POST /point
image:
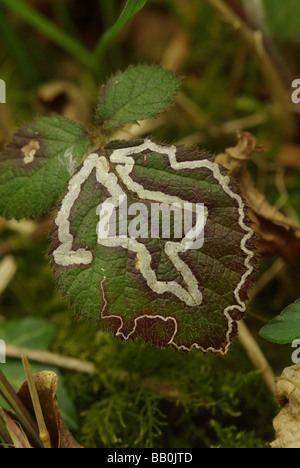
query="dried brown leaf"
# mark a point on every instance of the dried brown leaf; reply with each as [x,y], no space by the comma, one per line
[287,422]
[15,431]
[47,383]
[234,158]
[277,233]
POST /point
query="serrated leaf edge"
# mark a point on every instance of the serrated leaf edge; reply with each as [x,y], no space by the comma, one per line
[66,239]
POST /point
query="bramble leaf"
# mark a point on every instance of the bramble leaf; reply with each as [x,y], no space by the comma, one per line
[147,279]
[37,163]
[285,328]
[138,93]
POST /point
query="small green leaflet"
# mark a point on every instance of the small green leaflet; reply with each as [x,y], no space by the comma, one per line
[139,93]
[172,282]
[37,163]
[285,328]
[156,285]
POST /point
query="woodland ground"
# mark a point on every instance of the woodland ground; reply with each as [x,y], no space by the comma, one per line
[142,396]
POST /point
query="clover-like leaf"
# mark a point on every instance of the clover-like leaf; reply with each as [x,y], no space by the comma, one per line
[284,328]
[138,93]
[153,241]
[37,163]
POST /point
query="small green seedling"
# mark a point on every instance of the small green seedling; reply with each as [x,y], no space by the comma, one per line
[149,240]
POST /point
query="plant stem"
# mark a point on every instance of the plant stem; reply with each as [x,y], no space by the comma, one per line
[256,40]
[49,358]
[43,431]
[256,355]
[131,8]
[19,409]
[8,268]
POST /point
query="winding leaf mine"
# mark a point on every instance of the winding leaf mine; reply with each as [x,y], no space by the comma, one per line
[168,290]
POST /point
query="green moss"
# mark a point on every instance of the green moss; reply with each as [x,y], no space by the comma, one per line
[142,396]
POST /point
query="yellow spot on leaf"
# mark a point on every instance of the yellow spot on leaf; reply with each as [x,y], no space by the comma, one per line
[30,150]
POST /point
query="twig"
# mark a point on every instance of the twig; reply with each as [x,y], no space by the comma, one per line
[256,40]
[253,350]
[236,125]
[193,111]
[8,268]
[47,357]
[232,127]
[256,355]
[253,15]
[276,268]
[176,52]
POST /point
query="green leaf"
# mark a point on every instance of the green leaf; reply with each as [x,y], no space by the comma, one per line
[131,8]
[37,163]
[34,333]
[154,286]
[284,328]
[138,93]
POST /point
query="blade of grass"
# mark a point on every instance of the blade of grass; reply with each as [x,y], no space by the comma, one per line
[4,436]
[108,12]
[131,8]
[43,431]
[21,412]
[47,28]
[13,399]
[16,433]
